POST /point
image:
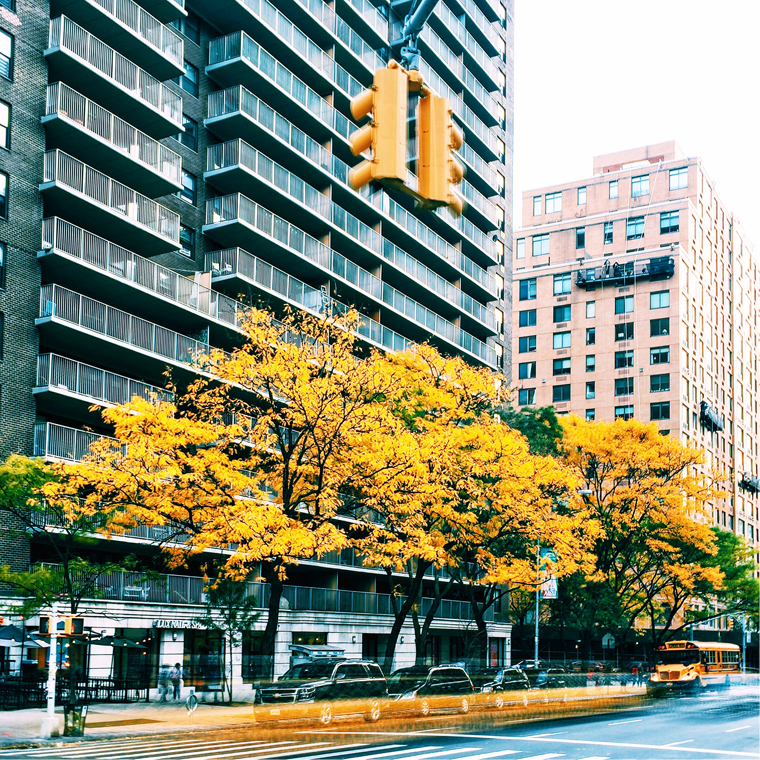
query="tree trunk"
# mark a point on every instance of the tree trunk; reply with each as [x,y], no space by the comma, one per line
[268,640]
[421,634]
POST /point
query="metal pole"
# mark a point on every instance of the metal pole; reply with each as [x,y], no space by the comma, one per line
[49,723]
[538,585]
[744,643]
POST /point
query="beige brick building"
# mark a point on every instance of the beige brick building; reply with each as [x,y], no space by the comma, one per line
[636,295]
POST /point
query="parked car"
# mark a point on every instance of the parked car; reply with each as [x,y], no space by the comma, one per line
[323,689]
[552,678]
[423,689]
[502,686]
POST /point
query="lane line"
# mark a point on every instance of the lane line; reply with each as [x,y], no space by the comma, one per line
[741,728]
[541,736]
[623,722]
[675,744]
[500,753]
[595,757]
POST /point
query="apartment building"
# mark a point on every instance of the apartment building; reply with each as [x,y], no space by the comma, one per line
[635,295]
[163,166]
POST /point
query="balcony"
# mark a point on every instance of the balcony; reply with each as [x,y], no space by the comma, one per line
[129,29]
[710,418]
[97,70]
[165,10]
[85,327]
[89,197]
[58,443]
[68,388]
[82,127]
[750,483]
[615,274]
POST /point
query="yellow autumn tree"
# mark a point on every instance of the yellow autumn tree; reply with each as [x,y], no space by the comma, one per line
[452,489]
[251,458]
[651,499]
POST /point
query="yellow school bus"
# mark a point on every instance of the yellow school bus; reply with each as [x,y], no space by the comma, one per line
[693,665]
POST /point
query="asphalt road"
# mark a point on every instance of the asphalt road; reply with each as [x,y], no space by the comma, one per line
[714,727]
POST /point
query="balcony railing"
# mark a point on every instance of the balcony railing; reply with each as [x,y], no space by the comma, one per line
[136,82]
[63,443]
[148,28]
[612,273]
[710,418]
[485,26]
[69,104]
[481,167]
[750,483]
[60,373]
[120,326]
[63,169]
[375,20]
[240,45]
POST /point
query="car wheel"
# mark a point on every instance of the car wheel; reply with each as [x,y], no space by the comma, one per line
[424,708]
[326,714]
[373,714]
[499,700]
[464,706]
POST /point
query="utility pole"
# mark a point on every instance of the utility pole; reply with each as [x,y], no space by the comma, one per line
[538,592]
[49,723]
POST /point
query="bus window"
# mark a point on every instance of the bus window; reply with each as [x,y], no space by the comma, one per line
[678,657]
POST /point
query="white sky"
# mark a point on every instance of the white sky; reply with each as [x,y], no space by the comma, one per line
[596,76]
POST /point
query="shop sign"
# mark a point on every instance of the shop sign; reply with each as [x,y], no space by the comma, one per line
[194,624]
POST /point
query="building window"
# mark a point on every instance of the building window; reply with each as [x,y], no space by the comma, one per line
[189,138]
[528,289]
[613,189]
[6,54]
[528,318]
[561,367]
[635,228]
[581,196]
[580,237]
[562,313]
[536,205]
[553,203]
[526,396]
[562,283]
[561,393]
[669,222]
[679,178]
[527,370]
[639,186]
[659,355]
[189,188]
[520,249]
[540,245]
[5,125]
[189,26]
[659,383]
[623,359]
[591,390]
[186,241]
[624,331]
[528,344]
[189,80]
[590,309]
[591,336]
[3,195]
[624,386]
[660,299]
[3,263]
[562,340]
[624,412]
[590,415]
[608,233]
[9,4]
[624,305]
[591,363]
[659,326]
[659,410]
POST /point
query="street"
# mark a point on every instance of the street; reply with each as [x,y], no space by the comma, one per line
[721,726]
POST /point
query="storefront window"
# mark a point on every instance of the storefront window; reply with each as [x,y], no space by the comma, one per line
[203,660]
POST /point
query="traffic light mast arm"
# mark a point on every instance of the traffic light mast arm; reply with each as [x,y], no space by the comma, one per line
[416,18]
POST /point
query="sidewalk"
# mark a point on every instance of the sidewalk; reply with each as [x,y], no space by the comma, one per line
[134,719]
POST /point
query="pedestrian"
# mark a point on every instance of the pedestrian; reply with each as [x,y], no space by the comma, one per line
[163,683]
[175,679]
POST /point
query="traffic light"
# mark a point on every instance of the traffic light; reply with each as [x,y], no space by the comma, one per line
[437,139]
[385,135]
[73,626]
[45,625]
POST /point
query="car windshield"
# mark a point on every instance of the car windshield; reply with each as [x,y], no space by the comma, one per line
[308,671]
[406,679]
[678,657]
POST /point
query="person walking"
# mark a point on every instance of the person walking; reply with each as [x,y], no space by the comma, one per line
[175,679]
[163,682]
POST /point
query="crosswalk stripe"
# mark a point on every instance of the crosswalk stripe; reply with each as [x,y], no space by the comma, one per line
[499,753]
[374,755]
[147,751]
[427,755]
[595,757]
[119,744]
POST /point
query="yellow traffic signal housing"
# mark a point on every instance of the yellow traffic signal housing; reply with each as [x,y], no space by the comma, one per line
[385,135]
[73,626]
[45,625]
[437,139]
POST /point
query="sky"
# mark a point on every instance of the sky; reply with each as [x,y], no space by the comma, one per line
[597,76]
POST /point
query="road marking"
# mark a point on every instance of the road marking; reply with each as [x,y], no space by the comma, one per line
[675,744]
[124,744]
[541,736]
[499,753]
[621,722]
[741,728]
[595,757]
